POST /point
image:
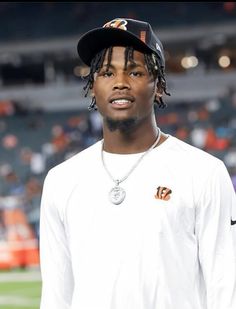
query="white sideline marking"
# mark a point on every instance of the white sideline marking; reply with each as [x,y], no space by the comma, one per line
[18,301]
[20,276]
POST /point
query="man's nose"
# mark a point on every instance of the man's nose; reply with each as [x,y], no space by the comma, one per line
[121,82]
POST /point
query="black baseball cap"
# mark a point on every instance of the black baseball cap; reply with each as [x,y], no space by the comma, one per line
[120,32]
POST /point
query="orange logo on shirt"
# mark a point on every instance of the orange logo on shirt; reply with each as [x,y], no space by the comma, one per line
[163,193]
[116,23]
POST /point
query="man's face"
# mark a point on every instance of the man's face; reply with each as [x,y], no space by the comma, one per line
[123,95]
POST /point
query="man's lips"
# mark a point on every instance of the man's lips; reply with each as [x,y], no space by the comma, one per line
[121,96]
[121,102]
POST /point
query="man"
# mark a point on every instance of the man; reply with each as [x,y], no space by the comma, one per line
[140,219]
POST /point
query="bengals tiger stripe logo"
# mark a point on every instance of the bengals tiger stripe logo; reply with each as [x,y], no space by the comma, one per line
[116,23]
[163,193]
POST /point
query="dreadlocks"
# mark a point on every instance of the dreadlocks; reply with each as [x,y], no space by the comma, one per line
[153,65]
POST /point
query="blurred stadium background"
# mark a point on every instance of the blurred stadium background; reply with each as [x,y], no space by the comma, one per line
[44,117]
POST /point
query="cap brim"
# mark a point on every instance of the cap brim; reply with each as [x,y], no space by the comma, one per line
[96,40]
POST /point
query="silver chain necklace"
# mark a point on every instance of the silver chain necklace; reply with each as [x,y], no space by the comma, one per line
[117,194]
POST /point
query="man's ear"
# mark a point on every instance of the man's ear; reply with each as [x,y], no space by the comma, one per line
[91,92]
[158,91]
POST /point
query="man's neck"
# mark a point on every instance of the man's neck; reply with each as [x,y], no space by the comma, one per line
[139,139]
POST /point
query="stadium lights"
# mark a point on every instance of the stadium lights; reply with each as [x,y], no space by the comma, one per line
[81,71]
[189,62]
[224,61]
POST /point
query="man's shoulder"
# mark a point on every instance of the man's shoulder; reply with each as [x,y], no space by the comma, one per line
[77,162]
[194,156]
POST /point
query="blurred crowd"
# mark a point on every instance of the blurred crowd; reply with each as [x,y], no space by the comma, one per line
[24,19]
[32,142]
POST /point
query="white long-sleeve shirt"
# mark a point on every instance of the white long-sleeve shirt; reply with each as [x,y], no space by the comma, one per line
[152,251]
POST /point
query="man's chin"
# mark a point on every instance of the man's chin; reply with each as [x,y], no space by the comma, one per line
[124,125]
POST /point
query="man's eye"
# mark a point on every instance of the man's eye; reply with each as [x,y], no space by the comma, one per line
[136,73]
[106,74]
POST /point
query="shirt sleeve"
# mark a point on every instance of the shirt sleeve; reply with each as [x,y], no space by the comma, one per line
[217,239]
[55,261]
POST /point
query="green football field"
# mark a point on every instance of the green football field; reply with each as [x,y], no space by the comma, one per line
[20,290]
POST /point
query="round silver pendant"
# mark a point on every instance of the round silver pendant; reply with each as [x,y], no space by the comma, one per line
[117,195]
